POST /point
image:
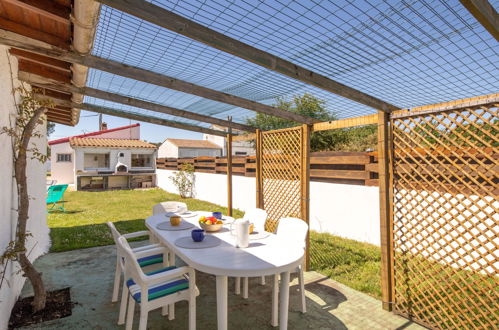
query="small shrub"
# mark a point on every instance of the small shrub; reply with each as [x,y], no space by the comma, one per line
[184,180]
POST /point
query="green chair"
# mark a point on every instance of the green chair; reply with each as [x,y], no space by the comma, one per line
[55,195]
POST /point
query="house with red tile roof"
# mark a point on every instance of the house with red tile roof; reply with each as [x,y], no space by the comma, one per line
[113,158]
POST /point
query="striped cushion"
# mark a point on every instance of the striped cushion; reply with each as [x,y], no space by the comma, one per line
[130,282]
[160,289]
[150,260]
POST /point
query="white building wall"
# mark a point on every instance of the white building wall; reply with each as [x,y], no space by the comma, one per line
[37,223]
[167,150]
[62,172]
[237,146]
[198,152]
[345,210]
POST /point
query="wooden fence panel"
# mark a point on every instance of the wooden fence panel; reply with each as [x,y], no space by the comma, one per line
[359,168]
[336,167]
[445,219]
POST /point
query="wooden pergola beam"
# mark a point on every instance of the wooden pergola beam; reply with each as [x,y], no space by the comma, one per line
[28,32]
[129,115]
[65,118]
[47,8]
[327,125]
[471,102]
[346,123]
[58,121]
[20,42]
[46,61]
[485,14]
[181,25]
[44,71]
[117,98]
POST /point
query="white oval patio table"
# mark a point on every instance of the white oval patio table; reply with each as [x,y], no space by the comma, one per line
[269,256]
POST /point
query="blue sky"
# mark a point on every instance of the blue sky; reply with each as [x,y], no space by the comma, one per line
[408,53]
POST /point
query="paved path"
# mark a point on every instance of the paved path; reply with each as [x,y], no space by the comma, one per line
[89,273]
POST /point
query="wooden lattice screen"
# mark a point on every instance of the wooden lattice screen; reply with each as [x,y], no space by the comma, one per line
[283,182]
[445,220]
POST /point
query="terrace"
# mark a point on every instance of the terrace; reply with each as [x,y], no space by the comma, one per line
[424,74]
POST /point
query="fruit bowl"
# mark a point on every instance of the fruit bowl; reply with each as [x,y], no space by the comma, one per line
[211,228]
[210,223]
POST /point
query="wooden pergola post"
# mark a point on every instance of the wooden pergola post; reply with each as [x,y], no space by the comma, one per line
[305,188]
[229,170]
[259,183]
[385,211]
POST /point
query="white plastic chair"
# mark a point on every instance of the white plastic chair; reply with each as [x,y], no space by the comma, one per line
[151,260]
[293,229]
[160,288]
[258,217]
[165,207]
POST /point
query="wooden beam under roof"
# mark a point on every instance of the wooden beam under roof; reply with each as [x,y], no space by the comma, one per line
[134,102]
[36,34]
[44,71]
[57,120]
[59,116]
[176,23]
[44,60]
[47,8]
[18,41]
[485,14]
[134,116]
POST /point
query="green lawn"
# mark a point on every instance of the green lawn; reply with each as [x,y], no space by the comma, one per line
[353,263]
[83,225]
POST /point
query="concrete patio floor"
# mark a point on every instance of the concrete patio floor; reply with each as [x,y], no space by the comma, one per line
[89,274]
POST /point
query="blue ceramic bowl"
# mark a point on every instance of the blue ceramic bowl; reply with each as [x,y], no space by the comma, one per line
[197,235]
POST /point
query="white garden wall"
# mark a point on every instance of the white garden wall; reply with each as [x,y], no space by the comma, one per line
[345,210]
[37,225]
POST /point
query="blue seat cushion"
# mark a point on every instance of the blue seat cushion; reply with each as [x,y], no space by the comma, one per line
[158,290]
[130,282]
[150,260]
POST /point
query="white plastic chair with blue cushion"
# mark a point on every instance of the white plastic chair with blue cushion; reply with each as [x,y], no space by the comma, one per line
[160,288]
[258,217]
[145,261]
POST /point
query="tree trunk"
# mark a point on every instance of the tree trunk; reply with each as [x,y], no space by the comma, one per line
[20,166]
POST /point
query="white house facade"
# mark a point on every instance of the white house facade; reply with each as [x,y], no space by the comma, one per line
[107,159]
[239,148]
[183,148]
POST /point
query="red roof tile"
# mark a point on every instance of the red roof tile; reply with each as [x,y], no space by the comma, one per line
[66,139]
[109,143]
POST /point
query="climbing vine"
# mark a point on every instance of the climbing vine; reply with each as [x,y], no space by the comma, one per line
[29,117]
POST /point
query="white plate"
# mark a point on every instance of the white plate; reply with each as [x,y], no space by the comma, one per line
[208,242]
[259,235]
[227,219]
[189,214]
[184,225]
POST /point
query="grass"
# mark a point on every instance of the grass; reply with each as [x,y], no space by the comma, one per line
[355,264]
[352,263]
[84,223]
